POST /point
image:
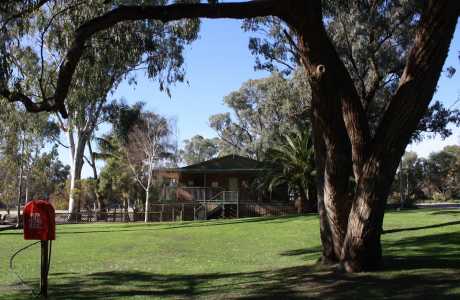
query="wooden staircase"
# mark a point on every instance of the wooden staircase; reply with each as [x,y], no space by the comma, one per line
[222,205]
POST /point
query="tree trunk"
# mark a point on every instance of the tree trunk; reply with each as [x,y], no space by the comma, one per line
[75,177]
[146,218]
[101,209]
[21,169]
[401,185]
[328,254]
[312,202]
[331,142]
[77,151]
[362,250]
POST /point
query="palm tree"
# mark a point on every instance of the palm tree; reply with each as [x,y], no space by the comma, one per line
[291,162]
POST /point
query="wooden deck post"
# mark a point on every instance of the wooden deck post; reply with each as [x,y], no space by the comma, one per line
[194,211]
[237,206]
[182,213]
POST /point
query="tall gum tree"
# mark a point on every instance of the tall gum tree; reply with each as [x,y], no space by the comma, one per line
[355,223]
[150,46]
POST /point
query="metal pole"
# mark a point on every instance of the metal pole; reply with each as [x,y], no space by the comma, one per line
[44,269]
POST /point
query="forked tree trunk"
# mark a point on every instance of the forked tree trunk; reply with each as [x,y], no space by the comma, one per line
[331,143]
[77,149]
[74,194]
[340,118]
[362,250]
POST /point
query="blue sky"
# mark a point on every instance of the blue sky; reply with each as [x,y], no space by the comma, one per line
[218,63]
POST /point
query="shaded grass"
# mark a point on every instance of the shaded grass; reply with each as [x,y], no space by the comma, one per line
[249,258]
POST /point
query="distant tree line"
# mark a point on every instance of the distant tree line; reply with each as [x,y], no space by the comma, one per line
[434,178]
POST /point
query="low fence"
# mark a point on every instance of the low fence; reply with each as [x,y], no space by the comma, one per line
[174,212]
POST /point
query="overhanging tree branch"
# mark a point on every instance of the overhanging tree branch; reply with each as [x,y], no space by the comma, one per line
[421,74]
[165,13]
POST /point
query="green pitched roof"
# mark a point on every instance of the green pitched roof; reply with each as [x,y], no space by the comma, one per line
[229,163]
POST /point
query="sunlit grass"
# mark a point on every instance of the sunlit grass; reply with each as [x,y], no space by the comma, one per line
[259,257]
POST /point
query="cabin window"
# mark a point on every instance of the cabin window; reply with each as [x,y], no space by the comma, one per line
[215,184]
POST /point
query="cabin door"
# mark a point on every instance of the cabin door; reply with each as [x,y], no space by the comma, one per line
[233,184]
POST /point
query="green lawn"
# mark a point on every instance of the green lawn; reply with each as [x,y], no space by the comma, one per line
[248,258]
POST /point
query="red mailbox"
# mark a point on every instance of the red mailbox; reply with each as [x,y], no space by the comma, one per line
[39,223]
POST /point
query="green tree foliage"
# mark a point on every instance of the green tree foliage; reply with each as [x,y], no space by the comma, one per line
[410,181]
[22,140]
[117,185]
[372,43]
[262,110]
[152,46]
[31,69]
[48,175]
[444,172]
[199,149]
[138,143]
[436,177]
[147,149]
[291,162]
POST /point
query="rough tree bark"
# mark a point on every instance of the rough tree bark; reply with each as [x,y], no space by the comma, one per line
[362,250]
[339,115]
[332,146]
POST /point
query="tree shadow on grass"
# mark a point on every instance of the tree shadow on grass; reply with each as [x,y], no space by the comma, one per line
[421,227]
[435,251]
[287,283]
[455,212]
[169,226]
[420,267]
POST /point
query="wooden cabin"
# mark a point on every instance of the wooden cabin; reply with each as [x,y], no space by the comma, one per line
[229,179]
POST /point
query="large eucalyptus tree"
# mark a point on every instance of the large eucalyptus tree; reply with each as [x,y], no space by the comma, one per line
[262,111]
[341,128]
[151,46]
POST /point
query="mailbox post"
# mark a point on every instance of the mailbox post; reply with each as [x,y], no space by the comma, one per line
[39,224]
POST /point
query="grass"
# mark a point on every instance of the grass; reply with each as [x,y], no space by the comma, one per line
[249,258]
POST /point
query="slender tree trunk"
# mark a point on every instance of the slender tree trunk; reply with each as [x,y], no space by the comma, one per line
[327,242]
[75,177]
[21,167]
[77,152]
[146,217]
[401,185]
[101,215]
